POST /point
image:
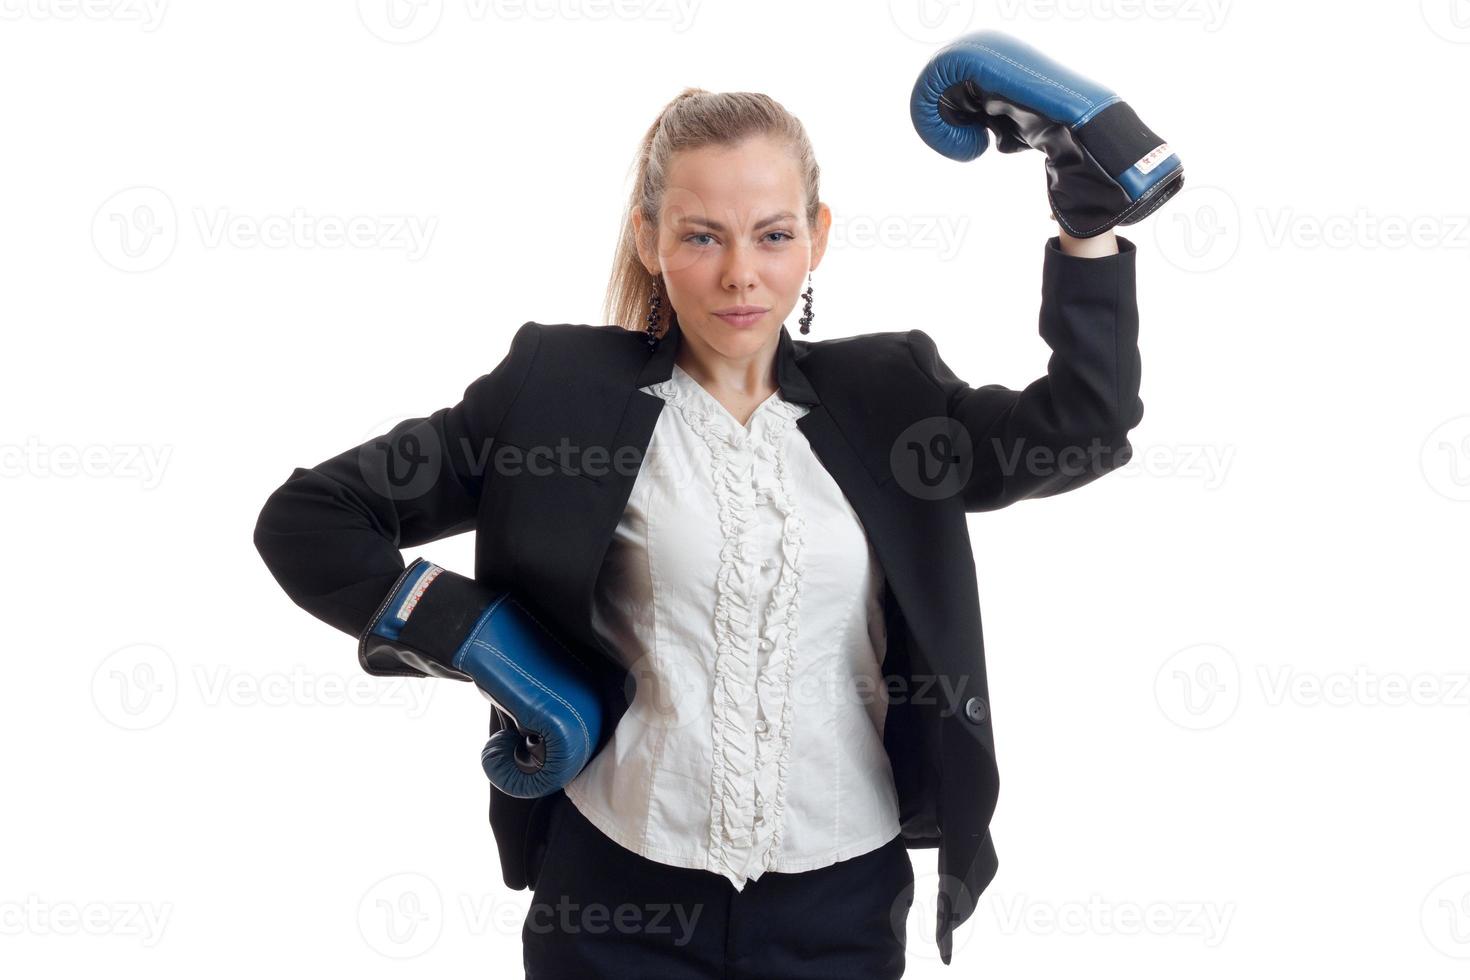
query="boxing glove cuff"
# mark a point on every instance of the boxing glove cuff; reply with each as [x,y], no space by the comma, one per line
[423,622]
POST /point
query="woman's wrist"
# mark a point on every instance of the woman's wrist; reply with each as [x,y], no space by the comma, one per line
[1089,248]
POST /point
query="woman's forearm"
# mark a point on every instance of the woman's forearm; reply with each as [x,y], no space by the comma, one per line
[1089,248]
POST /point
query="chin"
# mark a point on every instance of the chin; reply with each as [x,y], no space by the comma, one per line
[746,339]
[754,334]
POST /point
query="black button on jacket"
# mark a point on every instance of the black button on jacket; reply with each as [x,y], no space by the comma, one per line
[539,459]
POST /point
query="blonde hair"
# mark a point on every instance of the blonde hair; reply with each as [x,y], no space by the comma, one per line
[693,118]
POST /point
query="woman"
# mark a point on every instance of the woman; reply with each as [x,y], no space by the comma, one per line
[765,567]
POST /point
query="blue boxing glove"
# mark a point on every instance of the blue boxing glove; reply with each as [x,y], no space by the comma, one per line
[448,625]
[1104,167]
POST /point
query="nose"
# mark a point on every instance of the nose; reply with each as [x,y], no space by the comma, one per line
[739,271]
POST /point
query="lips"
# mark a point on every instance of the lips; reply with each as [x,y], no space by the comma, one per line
[741,316]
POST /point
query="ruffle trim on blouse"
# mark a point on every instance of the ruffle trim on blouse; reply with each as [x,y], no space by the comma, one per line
[734,836]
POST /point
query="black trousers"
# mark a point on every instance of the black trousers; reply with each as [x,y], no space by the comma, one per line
[601,910]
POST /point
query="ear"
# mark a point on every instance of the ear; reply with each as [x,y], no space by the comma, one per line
[820,233]
[645,240]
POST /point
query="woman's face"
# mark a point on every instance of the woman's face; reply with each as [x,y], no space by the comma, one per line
[732,234]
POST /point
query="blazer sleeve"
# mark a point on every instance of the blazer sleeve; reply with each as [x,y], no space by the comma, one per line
[1071,426]
[331,534]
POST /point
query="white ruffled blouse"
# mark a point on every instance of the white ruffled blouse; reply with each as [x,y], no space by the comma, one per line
[742,593]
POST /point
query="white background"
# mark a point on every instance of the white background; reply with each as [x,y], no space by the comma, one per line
[1229,681]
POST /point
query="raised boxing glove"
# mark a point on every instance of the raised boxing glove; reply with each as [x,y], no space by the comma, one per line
[1104,167]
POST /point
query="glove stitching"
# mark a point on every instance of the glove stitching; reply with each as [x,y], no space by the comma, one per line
[1093,112]
[481,622]
[1029,71]
[586,737]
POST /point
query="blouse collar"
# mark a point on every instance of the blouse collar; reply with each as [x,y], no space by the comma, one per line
[776,405]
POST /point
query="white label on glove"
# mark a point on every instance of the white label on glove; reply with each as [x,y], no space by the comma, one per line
[417,592]
[1154,158]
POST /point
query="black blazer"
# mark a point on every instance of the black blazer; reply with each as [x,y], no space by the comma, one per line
[540,456]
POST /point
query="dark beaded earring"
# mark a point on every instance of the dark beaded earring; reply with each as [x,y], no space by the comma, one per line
[654,302]
[806,316]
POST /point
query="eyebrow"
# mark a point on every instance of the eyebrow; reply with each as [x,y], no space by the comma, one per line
[693,219]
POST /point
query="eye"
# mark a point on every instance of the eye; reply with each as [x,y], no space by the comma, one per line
[702,234]
[789,238]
